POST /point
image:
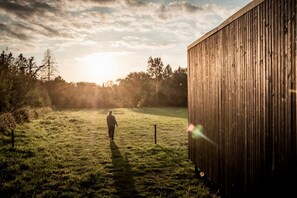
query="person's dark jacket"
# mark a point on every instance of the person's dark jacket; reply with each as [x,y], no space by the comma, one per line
[111,121]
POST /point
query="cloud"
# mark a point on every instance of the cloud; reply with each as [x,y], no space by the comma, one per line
[190,8]
[114,3]
[102,1]
[183,9]
[13,31]
[50,32]
[136,3]
[184,6]
[130,42]
[121,32]
[26,8]
[125,24]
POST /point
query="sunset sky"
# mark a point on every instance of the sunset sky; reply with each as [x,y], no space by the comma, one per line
[101,40]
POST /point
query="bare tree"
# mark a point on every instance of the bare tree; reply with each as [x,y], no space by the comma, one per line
[31,67]
[49,66]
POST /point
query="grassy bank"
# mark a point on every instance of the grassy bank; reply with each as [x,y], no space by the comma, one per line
[68,154]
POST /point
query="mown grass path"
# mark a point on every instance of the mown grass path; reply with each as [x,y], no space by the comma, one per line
[67,153]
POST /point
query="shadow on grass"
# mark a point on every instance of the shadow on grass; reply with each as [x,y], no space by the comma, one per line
[177,112]
[123,175]
[12,166]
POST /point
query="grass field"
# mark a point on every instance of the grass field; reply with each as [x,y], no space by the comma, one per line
[67,153]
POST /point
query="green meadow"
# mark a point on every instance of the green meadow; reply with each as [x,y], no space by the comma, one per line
[67,153]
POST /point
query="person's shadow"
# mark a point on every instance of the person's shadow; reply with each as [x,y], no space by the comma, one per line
[122,173]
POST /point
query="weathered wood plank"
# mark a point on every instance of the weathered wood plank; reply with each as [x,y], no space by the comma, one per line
[241,79]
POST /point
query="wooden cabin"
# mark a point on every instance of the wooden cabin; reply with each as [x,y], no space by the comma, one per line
[242,90]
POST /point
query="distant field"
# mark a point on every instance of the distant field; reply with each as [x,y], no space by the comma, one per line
[68,154]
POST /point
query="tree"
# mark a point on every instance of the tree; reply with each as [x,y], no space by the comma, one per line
[167,72]
[5,92]
[173,90]
[155,68]
[32,67]
[21,64]
[156,71]
[6,61]
[136,89]
[49,66]
[17,87]
[179,85]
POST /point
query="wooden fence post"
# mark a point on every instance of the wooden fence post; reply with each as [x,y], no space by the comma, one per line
[12,138]
[155,134]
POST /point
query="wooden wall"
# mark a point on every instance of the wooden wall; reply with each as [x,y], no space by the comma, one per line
[242,89]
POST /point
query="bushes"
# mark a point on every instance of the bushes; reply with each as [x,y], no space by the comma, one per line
[7,121]
[22,115]
[38,112]
[19,116]
[26,114]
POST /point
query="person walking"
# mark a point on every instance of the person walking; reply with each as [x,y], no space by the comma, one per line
[111,123]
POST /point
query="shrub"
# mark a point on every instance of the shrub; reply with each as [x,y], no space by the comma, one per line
[7,121]
[23,114]
[37,112]
[26,114]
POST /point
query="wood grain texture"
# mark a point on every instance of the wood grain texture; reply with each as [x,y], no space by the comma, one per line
[242,89]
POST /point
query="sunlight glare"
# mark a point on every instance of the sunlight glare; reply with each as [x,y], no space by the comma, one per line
[100,67]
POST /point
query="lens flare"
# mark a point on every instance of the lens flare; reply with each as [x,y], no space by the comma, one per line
[197,132]
[191,127]
[202,174]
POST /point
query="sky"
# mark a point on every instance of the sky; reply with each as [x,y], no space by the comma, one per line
[102,40]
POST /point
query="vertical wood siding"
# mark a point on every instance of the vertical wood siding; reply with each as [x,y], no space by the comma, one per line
[242,89]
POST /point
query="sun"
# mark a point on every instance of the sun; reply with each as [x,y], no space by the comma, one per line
[100,67]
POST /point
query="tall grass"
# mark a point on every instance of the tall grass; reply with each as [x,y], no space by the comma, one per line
[68,154]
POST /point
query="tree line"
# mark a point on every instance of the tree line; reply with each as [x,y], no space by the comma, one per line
[25,84]
[159,86]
